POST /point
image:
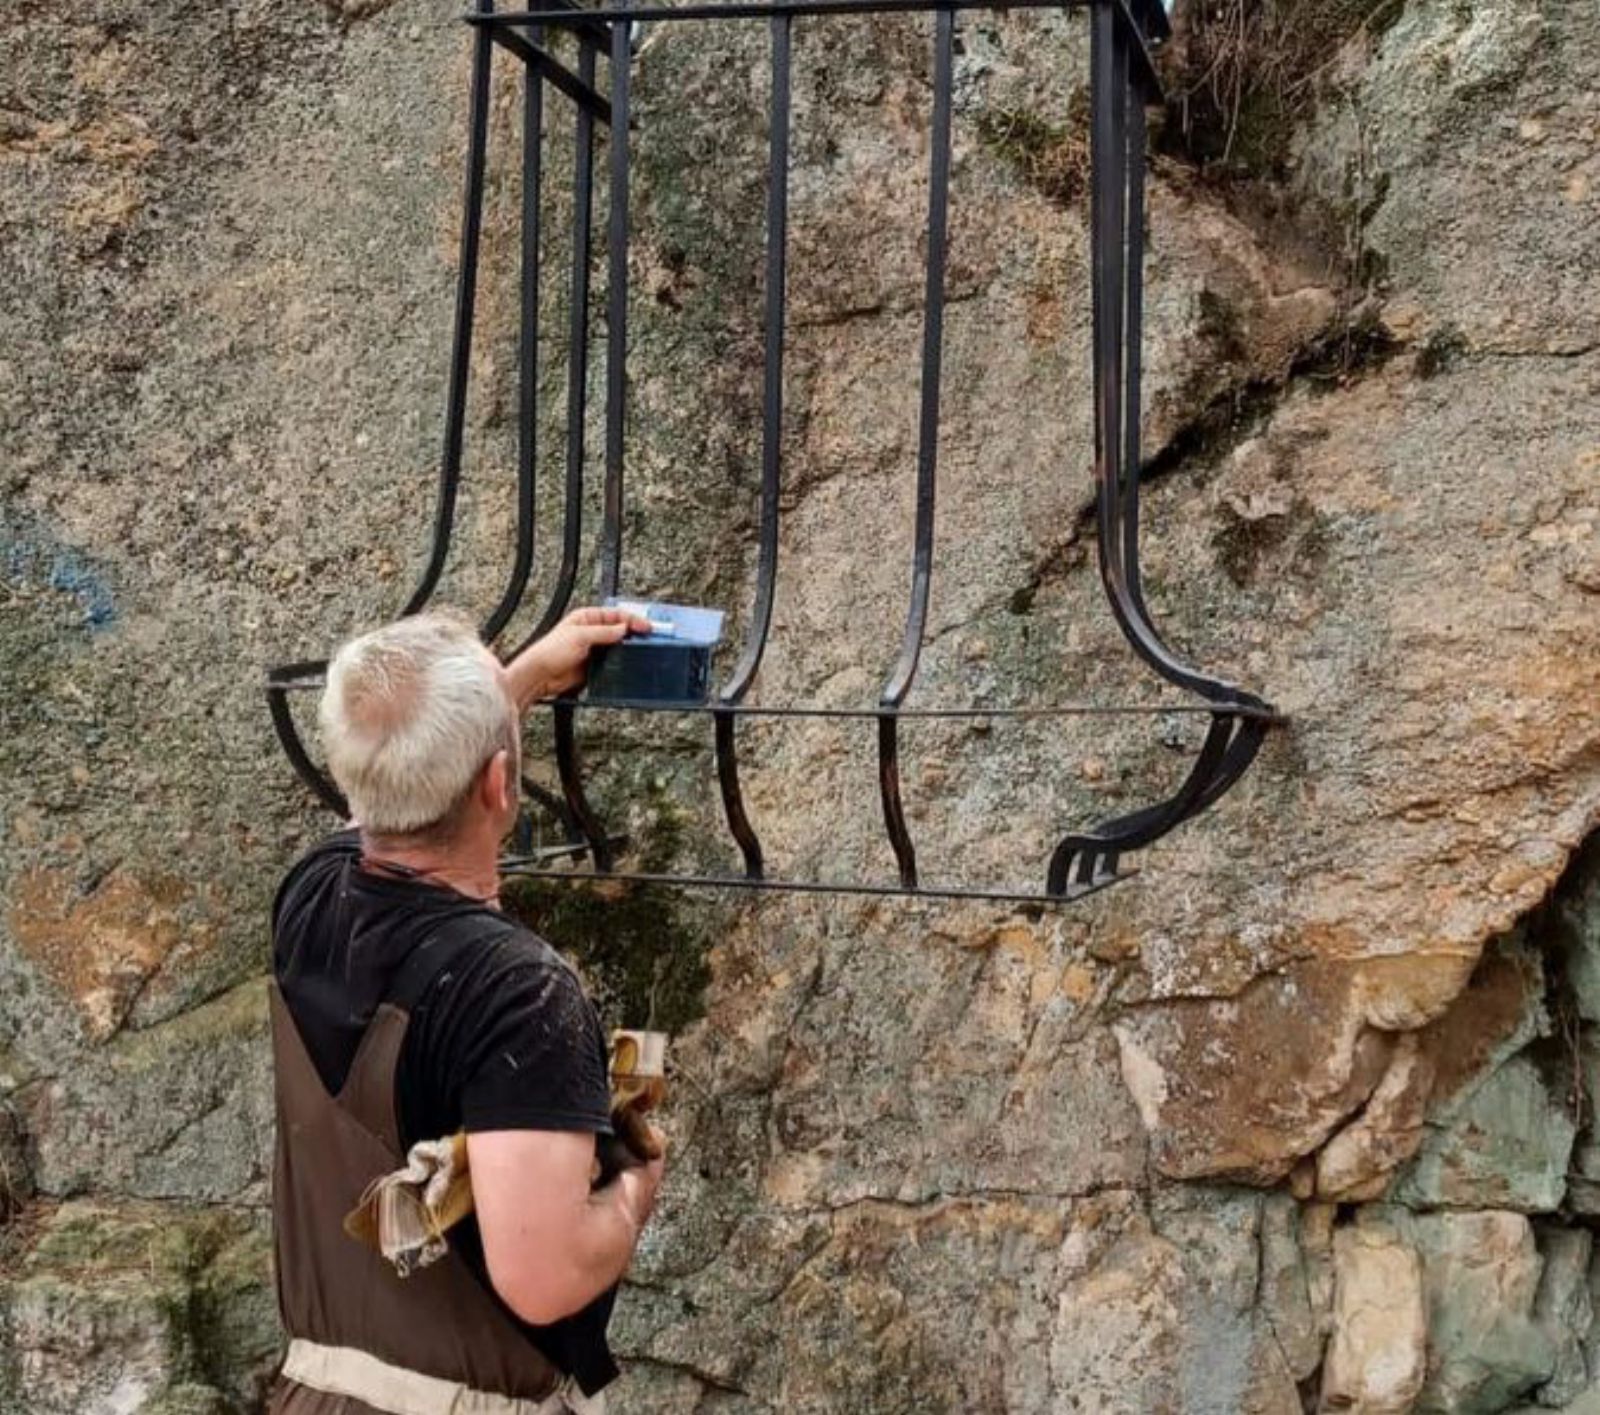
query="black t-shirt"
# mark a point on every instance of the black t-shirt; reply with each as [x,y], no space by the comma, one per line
[501,1037]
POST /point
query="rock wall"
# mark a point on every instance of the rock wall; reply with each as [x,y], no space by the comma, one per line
[1303,1117]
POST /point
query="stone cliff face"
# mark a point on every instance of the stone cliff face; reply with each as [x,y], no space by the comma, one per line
[1304,1117]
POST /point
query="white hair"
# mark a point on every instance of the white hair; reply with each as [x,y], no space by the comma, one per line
[410,716]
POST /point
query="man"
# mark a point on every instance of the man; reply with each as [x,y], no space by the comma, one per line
[407,1007]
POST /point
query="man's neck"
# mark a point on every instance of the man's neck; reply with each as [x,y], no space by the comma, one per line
[471,868]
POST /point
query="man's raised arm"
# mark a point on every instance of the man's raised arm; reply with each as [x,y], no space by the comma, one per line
[555,664]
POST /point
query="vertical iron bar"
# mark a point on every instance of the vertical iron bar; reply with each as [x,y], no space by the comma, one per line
[744,671]
[568,766]
[528,350]
[772,383]
[616,310]
[466,299]
[1112,191]
[1133,340]
[577,356]
[744,834]
[1107,209]
[905,667]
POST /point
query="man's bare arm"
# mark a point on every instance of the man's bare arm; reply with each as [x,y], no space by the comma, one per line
[552,1246]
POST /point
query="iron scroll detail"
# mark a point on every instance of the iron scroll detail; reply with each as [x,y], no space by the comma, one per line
[1123,81]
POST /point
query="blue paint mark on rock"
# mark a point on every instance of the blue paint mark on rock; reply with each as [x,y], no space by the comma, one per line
[33,560]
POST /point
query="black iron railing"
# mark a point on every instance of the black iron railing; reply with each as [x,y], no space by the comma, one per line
[1123,82]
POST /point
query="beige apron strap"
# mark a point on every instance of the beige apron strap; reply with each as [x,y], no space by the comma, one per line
[342,1370]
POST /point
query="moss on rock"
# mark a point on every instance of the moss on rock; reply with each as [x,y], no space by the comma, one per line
[169,1306]
[1051,157]
[643,950]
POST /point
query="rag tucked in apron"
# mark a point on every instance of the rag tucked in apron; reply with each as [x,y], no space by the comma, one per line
[364,1341]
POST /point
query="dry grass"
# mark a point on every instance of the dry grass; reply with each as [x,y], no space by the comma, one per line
[1243,70]
[1051,158]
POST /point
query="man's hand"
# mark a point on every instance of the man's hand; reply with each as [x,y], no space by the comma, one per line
[633,1144]
[641,1181]
[557,663]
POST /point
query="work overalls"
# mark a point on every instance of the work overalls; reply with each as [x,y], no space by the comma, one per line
[364,1341]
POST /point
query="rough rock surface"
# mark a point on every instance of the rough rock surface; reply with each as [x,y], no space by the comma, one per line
[1377,1360]
[1480,1277]
[1125,1158]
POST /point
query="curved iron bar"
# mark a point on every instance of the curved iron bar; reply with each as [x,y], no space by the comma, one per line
[528,353]
[744,834]
[571,772]
[1093,856]
[1090,855]
[905,667]
[1118,145]
[760,626]
[577,358]
[280,683]
[1125,250]
[554,805]
[466,302]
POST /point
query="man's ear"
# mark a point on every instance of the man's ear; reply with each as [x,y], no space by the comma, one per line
[496,786]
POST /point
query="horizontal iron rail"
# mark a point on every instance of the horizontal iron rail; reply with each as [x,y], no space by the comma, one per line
[872,714]
[1136,23]
[310,682]
[578,18]
[756,10]
[1076,890]
[557,73]
[571,850]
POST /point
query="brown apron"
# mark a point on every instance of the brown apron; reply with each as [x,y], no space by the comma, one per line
[335,1293]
